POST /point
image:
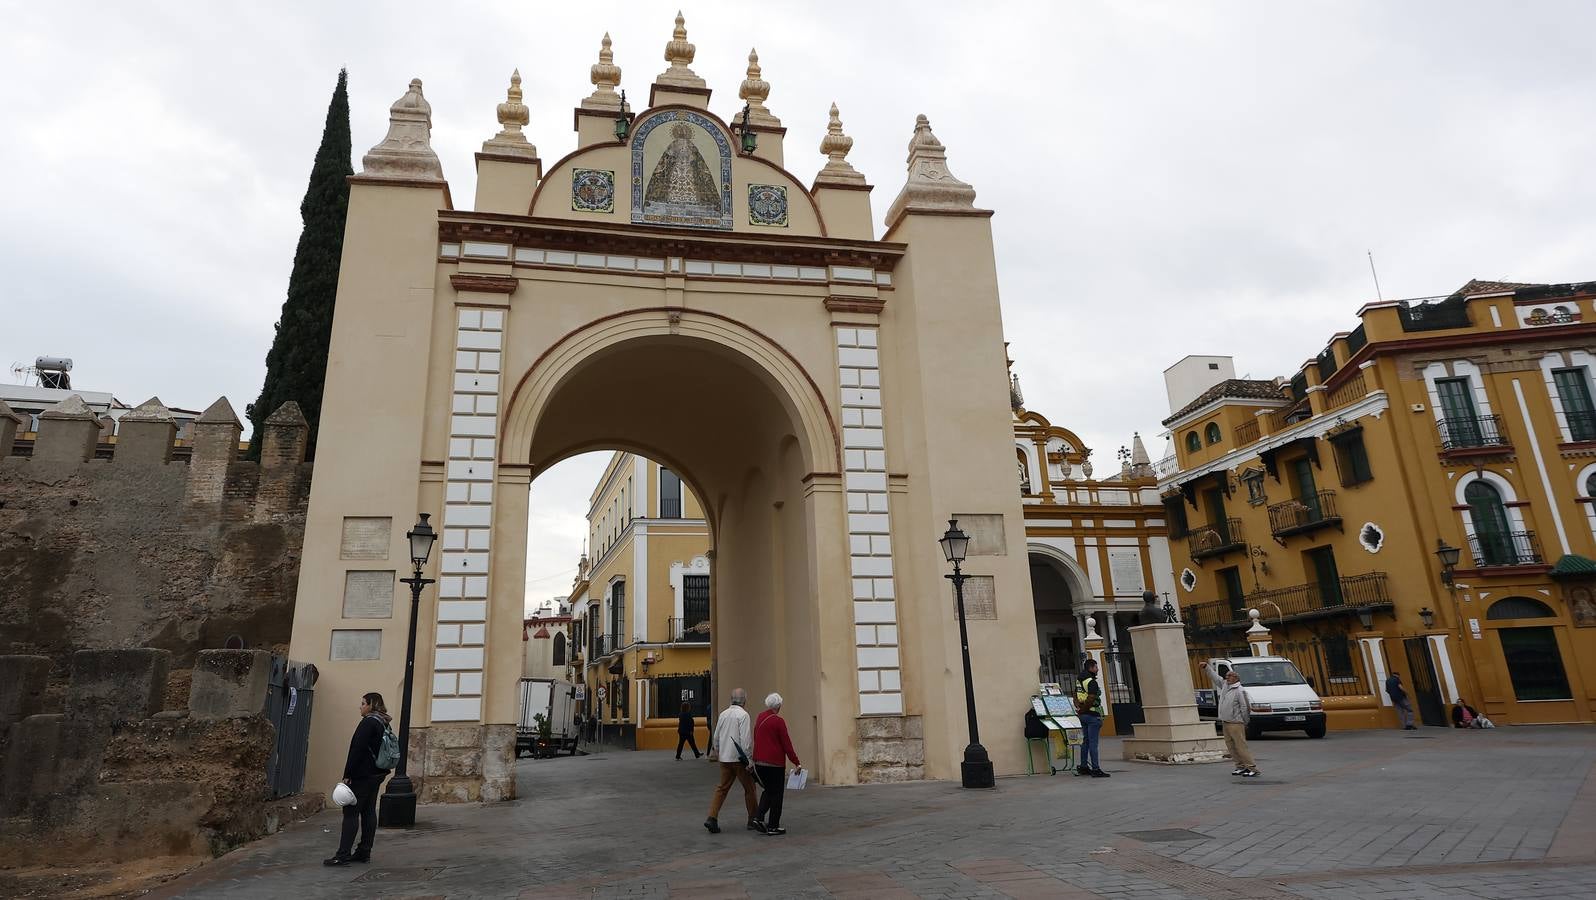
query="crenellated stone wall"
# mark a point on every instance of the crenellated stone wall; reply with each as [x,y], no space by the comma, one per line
[179,551]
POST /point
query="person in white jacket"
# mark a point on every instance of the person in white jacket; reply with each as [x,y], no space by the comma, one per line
[732,746]
[1233,715]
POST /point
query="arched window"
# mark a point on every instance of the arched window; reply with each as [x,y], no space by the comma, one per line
[559,648]
[1193,442]
[1590,485]
[1519,608]
[1213,432]
[1492,543]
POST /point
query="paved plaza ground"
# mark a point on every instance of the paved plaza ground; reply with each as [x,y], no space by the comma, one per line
[1433,813]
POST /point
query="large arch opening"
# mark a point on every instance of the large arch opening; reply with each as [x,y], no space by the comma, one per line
[683,402]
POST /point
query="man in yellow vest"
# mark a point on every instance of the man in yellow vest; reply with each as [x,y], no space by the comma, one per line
[1089,706]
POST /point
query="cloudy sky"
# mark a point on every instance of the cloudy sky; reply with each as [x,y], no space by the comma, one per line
[1169,177]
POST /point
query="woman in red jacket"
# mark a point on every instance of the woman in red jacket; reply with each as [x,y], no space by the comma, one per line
[772,749]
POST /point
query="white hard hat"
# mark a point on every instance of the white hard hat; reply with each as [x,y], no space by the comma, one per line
[342,795]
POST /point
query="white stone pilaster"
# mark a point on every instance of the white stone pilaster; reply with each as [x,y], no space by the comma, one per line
[875,612]
[1374,664]
[461,635]
[1443,664]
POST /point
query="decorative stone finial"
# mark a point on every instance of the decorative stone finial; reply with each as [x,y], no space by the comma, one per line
[836,146]
[930,185]
[151,410]
[407,150]
[606,77]
[1016,396]
[512,115]
[679,53]
[72,407]
[1091,629]
[754,90]
[219,413]
[289,415]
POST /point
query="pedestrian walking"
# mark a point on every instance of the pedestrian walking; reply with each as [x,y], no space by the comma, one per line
[684,732]
[730,743]
[1233,716]
[772,749]
[363,777]
[1399,699]
[1089,706]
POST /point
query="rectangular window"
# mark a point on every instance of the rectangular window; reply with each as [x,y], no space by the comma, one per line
[695,608]
[1352,460]
[1338,656]
[1326,579]
[618,612]
[670,494]
[1175,513]
[1534,663]
[1573,388]
[1460,425]
[1230,590]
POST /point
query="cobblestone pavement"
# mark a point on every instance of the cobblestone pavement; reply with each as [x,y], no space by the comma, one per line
[1437,813]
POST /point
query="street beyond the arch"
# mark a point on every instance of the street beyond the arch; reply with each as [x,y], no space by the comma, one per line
[1436,813]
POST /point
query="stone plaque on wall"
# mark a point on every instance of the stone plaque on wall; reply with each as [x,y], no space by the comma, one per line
[986,534]
[1125,569]
[368,595]
[980,597]
[365,537]
[356,643]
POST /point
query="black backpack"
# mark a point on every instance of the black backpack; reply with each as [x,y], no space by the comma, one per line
[1033,725]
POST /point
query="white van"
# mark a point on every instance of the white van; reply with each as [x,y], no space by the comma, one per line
[1278,697]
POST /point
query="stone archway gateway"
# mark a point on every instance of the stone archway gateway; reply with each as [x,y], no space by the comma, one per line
[670,288]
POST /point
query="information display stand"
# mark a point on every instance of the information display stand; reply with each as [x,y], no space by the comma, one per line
[1057,712]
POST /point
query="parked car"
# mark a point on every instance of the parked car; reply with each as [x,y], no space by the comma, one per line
[1280,699]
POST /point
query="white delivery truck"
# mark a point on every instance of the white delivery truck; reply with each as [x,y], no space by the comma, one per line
[553,700]
[1278,697]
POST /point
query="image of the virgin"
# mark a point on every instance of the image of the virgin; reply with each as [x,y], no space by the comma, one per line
[681,178]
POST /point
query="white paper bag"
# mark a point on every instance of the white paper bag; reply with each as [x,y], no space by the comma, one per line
[796,779]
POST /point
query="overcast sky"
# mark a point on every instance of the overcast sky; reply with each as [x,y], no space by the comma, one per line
[1169,178]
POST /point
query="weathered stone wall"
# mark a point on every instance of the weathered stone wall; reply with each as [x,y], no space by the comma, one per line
[143,549]
[112,776]
[891,748]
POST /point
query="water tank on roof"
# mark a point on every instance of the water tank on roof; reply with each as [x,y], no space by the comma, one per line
[53,372]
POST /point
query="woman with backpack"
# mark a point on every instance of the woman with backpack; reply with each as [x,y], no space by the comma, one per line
[363,776]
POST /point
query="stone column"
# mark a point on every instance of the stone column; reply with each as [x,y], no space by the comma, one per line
[1257,635]
[1172,733]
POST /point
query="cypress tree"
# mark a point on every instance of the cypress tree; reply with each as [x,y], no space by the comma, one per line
[296,365]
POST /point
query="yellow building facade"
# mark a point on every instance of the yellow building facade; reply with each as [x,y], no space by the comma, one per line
[640,610]
[1334,502]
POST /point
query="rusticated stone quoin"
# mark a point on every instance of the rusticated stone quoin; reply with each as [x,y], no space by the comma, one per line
[891,748]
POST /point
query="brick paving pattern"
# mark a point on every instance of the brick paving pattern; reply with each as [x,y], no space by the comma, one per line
[1384,814]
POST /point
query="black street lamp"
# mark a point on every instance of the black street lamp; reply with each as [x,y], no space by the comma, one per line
[398,807]
[976,770]
[1448,556]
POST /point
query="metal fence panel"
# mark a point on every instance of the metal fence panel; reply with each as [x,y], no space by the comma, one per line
[288,706]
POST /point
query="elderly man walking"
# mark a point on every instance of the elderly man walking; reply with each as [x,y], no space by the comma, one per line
[732,744]
[1233,715]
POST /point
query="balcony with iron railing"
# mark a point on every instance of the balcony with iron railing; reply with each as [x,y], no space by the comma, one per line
[689,631]
[1348,391]
[1297,602]
[1215,539]
[1505,548]
[607,644]
[1433,315]
[1304,515]
[1471,433]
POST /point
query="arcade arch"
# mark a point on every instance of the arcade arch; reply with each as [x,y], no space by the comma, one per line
[714,402]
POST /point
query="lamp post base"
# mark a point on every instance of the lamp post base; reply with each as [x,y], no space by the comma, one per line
[976,769]
[397,808]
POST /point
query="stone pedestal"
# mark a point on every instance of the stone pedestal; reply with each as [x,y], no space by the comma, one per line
[1172,732]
